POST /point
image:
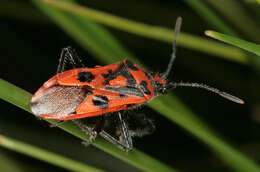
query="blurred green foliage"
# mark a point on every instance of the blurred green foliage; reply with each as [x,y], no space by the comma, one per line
[28,28]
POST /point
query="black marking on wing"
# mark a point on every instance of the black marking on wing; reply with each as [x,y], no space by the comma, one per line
[123,71]
[130,65]
[100,101]
[114,74]
[143,86]
[84,76]
[134,91]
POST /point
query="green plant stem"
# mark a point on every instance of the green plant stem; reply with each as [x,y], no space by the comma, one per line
[248,46]
[43,155]
[178,114]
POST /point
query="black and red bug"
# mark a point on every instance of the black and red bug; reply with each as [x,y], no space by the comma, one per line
[87,96]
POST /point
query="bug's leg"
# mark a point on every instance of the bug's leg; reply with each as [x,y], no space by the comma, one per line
[91,139]
[145,126]
[92,132]
[68,58]
[98,129]
[56,124]
[125,137]
[88,130]
[114,141]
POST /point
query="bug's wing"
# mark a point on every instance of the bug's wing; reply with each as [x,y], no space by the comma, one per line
[103,101]
[58,101]
[100,102]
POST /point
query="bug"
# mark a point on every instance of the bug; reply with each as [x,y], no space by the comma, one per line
[89,96]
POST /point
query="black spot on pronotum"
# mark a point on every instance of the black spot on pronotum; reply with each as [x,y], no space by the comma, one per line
[130,65]
[144,88]
[100,101]
[84,76]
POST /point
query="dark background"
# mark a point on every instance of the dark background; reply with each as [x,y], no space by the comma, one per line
[30,45]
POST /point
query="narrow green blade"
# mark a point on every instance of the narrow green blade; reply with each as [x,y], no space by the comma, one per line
[235,13]
[248,46]
[44,155]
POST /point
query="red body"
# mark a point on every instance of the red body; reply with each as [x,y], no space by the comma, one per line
[87,92]
[90,92]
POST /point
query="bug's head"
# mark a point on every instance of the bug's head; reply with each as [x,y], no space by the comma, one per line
[159,84]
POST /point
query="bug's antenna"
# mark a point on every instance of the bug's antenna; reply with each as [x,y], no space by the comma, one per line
[173,55]
[203,86]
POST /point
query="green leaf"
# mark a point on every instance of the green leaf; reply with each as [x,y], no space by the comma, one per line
[233,11]
[179,114]
[15,95]
[154,32]
[248,46]
[44,155]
